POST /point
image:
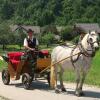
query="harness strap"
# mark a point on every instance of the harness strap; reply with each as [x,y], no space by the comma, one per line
[71,57]
[84,52]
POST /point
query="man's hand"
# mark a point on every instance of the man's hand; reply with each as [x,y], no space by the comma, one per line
[32,49]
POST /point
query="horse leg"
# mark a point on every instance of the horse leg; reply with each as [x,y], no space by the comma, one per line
[77,82]
[81,83]
[61,81]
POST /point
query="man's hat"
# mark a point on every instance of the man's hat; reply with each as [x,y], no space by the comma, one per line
[29,30]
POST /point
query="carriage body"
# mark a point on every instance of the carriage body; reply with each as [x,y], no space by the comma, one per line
[17,67]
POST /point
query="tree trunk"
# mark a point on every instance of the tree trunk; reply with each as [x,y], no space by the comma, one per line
[3,46]
[20,46]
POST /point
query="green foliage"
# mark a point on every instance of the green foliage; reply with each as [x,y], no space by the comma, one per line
[4,33]
[3,64]
[75,40]
[6,9]
[66,34]
[19,36]
[48,38]
[45,12]
[8,37]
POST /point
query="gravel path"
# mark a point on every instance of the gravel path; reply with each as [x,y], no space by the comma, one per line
[40,91]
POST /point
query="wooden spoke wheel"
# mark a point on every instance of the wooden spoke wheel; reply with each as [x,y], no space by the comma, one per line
[5,77]
[26,80]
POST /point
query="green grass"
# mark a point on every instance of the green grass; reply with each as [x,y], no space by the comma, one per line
[93,76]
[47,48]
[3,65]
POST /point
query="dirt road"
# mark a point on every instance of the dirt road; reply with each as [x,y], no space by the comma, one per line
[40,91]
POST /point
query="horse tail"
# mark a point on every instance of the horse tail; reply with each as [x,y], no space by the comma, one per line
[52,77]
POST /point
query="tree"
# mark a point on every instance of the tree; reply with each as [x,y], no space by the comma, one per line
[66,34]
[46,12]
[4,34]
[48,38]
[20,35]
[7,10]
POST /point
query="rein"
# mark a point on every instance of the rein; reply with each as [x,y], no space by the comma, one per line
[59,61]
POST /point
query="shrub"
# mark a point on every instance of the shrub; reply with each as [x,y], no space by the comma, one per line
[48,38]
[66,34]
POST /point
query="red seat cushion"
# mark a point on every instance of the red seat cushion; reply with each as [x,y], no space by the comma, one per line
[14,57]
[45,52]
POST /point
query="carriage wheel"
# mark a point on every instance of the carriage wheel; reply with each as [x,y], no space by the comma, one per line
[5,77]
[48,78]
[26,80]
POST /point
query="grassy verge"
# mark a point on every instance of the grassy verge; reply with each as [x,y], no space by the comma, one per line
[94,74]
[3,65]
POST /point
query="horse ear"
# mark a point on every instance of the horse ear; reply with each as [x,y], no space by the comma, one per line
[89,32]
[96,31]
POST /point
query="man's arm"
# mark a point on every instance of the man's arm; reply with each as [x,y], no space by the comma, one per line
[37,42]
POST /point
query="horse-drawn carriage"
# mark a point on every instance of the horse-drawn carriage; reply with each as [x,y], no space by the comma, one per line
[17,67]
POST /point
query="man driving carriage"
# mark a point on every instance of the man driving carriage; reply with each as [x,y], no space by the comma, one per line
[31,45]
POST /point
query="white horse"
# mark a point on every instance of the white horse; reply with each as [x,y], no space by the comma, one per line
[78,58]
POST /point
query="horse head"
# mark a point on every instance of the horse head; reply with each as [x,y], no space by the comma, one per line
[90,42]
[93,39]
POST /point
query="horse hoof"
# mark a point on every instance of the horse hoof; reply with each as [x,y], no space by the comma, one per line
[80,94]
[63,90]
[57,91]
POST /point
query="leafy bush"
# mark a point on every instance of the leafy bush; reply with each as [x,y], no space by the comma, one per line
[75,40]
[66,34]
[48,38]
[4,33]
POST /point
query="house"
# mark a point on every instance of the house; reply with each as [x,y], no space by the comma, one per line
[36,29]
[86,27]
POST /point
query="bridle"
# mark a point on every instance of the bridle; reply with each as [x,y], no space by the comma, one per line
[85,51]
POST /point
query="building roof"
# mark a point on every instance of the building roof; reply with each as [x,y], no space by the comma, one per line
[88,26]
[36,29]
